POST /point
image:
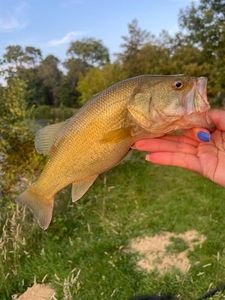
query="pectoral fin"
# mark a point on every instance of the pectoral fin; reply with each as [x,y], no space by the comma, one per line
[45,137]
[80,188]
[117,135]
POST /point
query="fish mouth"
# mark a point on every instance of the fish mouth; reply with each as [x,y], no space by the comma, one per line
[196,99]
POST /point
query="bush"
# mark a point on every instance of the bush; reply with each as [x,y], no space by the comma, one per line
[97,80]
[52,114]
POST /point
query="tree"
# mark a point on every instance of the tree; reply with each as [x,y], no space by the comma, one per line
[32,56]
[132,44]
[50,75]
[90,51]
[150,59]
[136,38]
[13,54]
[12,58]
[97,80]
[204,24]
[35,89]
[13,114]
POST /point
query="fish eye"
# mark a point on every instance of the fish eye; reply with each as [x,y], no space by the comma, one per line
[178,84]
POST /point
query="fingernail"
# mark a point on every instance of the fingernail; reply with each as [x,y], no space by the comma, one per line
[203,136]
[147,157]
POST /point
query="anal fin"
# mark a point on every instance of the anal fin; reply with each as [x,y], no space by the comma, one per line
[80,188]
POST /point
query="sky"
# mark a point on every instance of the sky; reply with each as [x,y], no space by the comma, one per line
[52,24]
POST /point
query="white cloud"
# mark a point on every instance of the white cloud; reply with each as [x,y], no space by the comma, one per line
[64,40]
[14,18]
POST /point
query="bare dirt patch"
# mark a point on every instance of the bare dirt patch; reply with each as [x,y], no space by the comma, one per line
[38,292]
[166,251]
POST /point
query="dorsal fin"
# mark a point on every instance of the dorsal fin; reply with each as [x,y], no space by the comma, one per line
[45,137]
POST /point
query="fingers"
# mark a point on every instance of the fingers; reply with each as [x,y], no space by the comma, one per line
[180,139]
[162,145]
[218,118]
[185,143]
[190,137]
[183,160]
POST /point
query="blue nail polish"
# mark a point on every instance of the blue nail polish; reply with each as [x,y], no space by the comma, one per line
[203,136]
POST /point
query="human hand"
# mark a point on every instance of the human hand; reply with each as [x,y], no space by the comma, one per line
[196,149]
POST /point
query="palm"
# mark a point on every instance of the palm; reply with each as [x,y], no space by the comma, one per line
[211,158]
[187,152]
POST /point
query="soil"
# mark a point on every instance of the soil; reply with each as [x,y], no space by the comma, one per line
[38,292]
[155,253]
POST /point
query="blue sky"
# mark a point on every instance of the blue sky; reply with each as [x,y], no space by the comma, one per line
[52,24]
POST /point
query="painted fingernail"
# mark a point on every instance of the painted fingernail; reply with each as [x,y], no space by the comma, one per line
[203,136]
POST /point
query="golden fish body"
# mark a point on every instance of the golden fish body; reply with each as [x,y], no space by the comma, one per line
[101,133]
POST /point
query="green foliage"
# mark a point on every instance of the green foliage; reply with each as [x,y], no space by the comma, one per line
[12,113]
[150,59]
[89,51]
[197,50]
[51,115]
[13,54]
[205,26]
[17,55]
[136,38]
[32,56]
[50,75]
[35,90]
[68,93]
[16,142]
[98,79]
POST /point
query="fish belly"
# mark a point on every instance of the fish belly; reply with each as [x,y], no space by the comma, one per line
[76,164]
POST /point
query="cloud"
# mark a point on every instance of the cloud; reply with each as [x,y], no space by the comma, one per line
[14,18]
[64,40]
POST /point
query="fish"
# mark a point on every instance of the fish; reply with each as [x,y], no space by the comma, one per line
[100,134]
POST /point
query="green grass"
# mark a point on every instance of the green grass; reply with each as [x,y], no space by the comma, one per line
[82,253]
[177,245]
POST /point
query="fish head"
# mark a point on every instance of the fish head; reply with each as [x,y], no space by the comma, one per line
[166,103]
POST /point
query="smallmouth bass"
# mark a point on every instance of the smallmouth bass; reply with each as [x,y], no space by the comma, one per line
[101,133]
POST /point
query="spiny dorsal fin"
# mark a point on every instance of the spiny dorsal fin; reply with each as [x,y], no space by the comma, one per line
[80,188]
[45,137]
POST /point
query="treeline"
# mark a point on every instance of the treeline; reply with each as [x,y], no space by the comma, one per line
[198,49]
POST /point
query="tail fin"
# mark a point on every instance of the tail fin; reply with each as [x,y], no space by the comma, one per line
[41,209]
